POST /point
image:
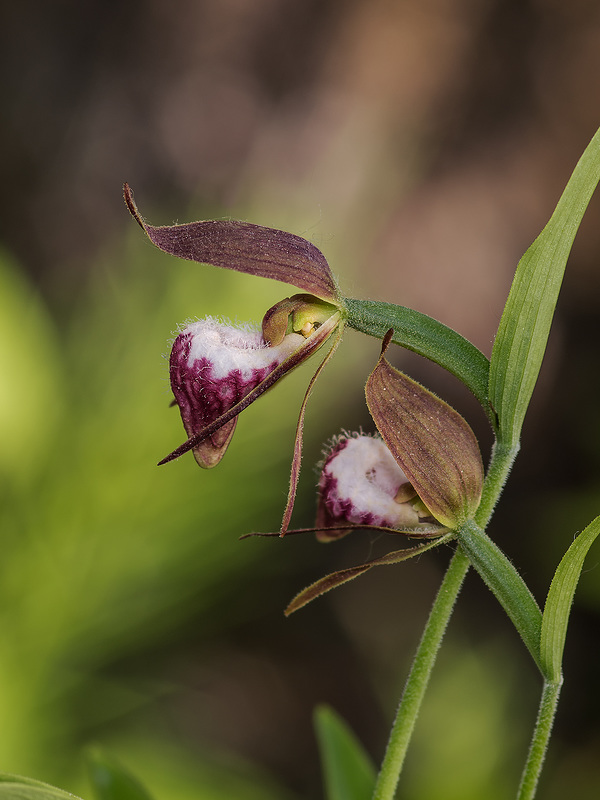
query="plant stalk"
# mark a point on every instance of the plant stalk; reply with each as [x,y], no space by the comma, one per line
[418,679]
[385,788]
[540,740]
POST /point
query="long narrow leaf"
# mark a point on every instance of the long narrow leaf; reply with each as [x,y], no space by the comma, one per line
[348,771]
[19,791]
[560,599]
[15,787]
[111,781]
[505,582]
[427,337]
[525,325]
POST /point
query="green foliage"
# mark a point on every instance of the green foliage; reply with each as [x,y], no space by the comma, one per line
[559,601]
[111,781]
[506,583]
[525,325]
[31,388]
[14,787]
[427,337]
[516,360]
[106,556]
[348,771]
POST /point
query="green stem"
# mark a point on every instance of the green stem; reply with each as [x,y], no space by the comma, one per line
[503,457]
[418,678]
[540,739]
[500,464]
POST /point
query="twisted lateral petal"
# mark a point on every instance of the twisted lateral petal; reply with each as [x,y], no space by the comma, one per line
[242,246]
[432,443]
[336,579]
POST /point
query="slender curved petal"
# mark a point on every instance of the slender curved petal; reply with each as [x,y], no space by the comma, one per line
[335,579]
[244,247]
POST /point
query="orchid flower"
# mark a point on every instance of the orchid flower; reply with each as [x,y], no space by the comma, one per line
[217,370]
[361,483]
[422,475]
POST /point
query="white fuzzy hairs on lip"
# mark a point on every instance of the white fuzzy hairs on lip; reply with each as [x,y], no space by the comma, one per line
[366,476]
[242,347]
[331,444]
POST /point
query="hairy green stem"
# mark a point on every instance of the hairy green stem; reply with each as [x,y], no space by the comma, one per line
[540,740]
[418,678]
[503,457]
[500,465]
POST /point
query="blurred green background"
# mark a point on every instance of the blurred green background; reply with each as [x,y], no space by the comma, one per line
[421,146]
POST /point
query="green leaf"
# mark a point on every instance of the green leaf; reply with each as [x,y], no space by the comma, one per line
[348,771]
[525,325]
[427,337]
[560,599]
[111,781]
[15,787]
[505,582]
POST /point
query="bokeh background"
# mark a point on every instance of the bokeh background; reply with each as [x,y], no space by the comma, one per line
[422,145]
